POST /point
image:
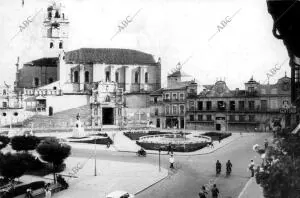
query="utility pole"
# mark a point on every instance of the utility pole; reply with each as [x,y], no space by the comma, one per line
[95,167]
[159,150]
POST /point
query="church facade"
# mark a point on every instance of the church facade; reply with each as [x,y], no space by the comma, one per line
[71,75]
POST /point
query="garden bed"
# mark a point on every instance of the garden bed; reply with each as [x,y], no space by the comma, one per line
[137,134]
[177,148]
[216,136]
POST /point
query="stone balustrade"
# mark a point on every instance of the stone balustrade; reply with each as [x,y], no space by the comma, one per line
[43,92]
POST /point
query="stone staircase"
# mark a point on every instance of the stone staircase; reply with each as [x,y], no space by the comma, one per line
[63,119]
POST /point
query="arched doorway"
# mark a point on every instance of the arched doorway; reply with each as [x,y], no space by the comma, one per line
[50,111]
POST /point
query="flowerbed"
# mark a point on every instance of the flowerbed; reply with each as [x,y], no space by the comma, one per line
[137,134]
[177,147]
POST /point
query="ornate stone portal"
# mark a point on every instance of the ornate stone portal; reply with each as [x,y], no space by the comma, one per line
[78,130]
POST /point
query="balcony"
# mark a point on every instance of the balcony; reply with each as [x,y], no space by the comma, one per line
[199,121]
[191,95]
[156,102]
[246,110]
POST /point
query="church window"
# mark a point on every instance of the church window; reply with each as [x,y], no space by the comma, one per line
[136,77]
[4,105]
[146,77]
[60,45]
[56,14]
[107,76]
[49,14]
[50,80]
[107,98]
[51,45]
[36,82]
[76,77]
[117,77]
[86,77]
[4,91]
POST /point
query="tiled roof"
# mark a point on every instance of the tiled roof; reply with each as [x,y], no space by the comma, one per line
[109,56]
[47,62]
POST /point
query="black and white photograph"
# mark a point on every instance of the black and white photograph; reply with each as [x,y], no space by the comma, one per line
[150,98]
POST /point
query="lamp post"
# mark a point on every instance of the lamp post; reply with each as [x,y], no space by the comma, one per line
[95,164]
[159,150]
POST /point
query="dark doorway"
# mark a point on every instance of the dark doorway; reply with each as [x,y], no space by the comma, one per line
[50,111]
[287,120]
[182,123]
[218,127]
[158,123]
[107,116]
[172,122]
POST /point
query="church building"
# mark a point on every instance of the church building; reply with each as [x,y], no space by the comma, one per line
[51,82]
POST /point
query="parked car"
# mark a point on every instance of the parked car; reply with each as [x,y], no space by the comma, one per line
[119,194]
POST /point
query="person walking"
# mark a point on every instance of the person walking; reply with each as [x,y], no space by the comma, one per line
[171,160]
[203,193]
[47,192]
[215,191]
[266,143]
[251,168]
[29,193]
[170,150]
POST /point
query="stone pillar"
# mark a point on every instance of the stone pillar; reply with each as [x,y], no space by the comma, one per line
[81,78]
[128,78]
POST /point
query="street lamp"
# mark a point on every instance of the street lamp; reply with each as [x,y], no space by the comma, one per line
[159,150]
[95,167]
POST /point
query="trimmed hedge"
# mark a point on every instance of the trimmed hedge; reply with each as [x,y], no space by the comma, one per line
[216,135]
[98,141]
[138,134]
[20,190]
[24,143]
[177,148]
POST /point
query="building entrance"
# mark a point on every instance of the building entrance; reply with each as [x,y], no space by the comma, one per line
[182,123]
[172,122]
[158,123]
[107,116]
[218,127]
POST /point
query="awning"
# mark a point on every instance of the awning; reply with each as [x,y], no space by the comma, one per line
[296,130]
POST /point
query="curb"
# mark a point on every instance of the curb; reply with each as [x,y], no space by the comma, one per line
[151,185]
[245,187]
[180,154]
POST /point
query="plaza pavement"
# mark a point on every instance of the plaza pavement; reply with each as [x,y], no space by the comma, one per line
[124,144]
[128,176]
[111,176]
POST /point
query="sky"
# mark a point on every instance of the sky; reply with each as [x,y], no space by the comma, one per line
[185,31]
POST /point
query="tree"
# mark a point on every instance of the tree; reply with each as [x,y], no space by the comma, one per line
[54,152]
[11,166]
[24,143]
[281,175]
[4,140]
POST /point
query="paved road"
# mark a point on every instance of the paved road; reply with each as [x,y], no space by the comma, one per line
[191,172]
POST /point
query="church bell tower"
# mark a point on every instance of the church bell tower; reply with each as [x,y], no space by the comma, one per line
[55,30]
